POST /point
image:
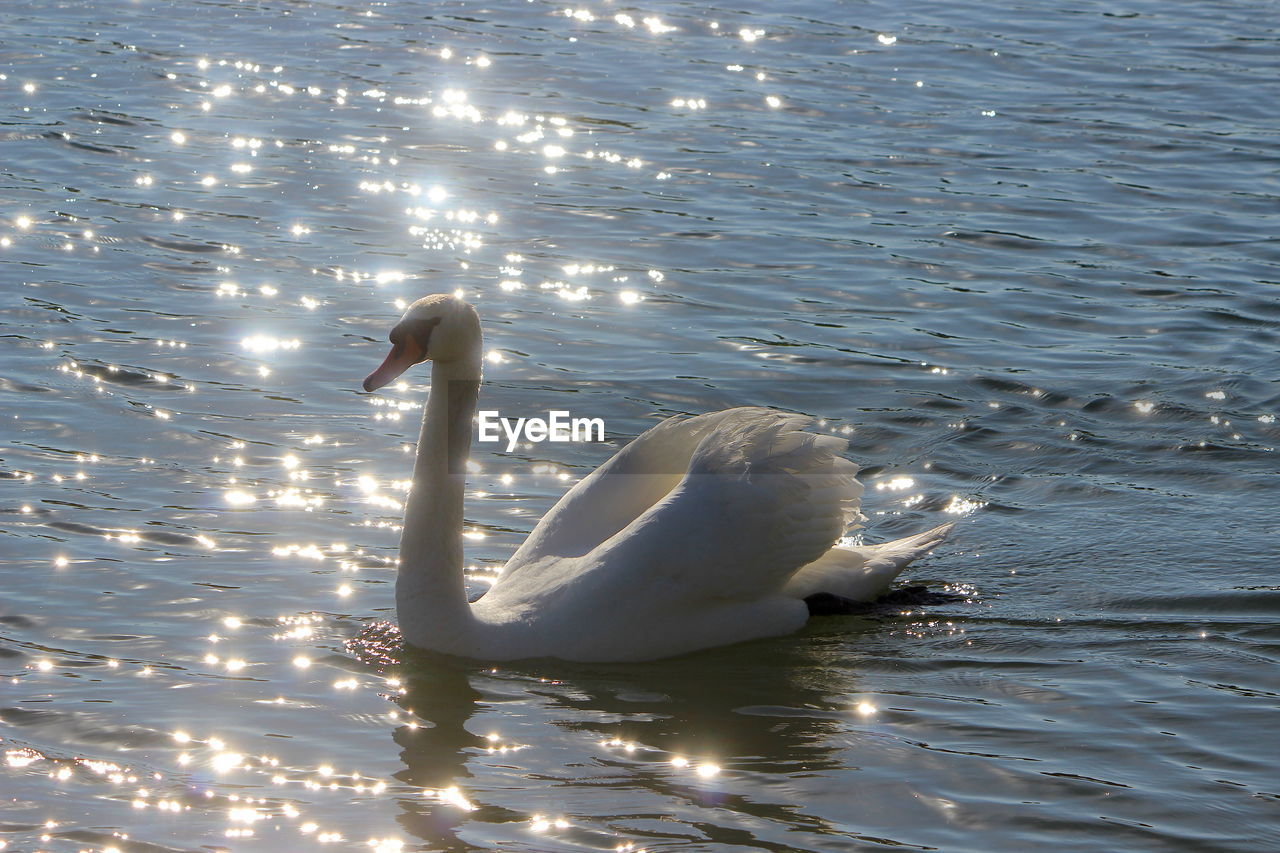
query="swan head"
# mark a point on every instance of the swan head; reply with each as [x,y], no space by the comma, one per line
[438,328]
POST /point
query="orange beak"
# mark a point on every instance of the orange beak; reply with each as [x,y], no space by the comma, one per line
[403,355]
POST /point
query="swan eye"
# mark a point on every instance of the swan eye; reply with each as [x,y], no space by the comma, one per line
[418,330]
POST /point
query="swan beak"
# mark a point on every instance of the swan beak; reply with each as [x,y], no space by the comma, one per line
[402,356]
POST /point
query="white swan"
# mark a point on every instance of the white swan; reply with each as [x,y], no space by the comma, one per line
[703,531]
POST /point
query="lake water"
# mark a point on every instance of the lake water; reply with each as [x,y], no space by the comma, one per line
[1023,255]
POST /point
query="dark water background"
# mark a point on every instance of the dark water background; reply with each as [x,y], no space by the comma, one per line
[1024,255]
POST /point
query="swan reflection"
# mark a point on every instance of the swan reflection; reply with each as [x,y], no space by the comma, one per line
[677,731]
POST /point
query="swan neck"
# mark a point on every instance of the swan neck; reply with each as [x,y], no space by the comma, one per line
[431,601]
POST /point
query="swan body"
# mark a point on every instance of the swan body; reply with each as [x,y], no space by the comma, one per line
[701,532]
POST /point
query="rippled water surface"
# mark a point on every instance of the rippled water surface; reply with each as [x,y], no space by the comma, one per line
[1023,255]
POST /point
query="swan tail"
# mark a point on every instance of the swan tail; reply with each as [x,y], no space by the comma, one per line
[863,573]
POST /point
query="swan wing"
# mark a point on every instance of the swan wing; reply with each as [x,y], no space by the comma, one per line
[760,499]
[618,492]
